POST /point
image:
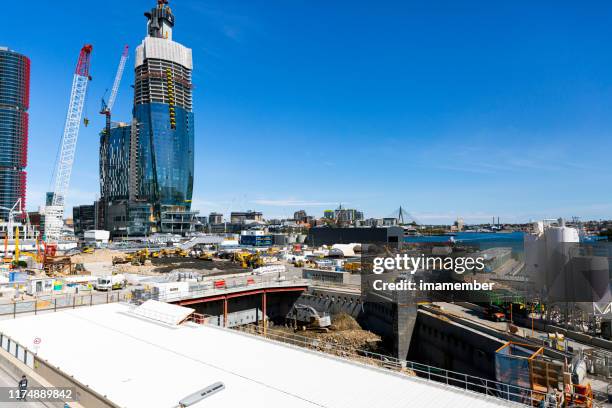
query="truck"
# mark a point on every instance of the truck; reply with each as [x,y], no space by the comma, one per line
[110,282]
[494,313]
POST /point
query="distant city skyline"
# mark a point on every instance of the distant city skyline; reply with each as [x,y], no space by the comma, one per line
[449,110]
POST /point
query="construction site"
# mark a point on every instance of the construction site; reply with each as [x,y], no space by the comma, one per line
[141,287]
[313,298]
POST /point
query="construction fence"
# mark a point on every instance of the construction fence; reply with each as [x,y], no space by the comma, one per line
[59,302]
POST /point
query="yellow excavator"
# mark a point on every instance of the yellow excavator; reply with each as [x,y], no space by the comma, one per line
[248,260]
[127,258]
[206,256]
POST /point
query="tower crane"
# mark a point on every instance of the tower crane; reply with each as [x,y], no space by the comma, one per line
[106,111]
[54,213]
[107,107]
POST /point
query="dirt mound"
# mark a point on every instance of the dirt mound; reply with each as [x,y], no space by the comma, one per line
[99,255]
[344,321]
[355,339]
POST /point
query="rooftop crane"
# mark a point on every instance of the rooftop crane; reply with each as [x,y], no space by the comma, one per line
[107,107]
[106,111]
[54,213]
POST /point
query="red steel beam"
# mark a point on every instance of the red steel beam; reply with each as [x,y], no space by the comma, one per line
[241,294]
[201,300]
[225,312]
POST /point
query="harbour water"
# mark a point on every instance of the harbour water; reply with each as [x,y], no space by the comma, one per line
[482,240]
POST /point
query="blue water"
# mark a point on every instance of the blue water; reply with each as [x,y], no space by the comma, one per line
[483,240]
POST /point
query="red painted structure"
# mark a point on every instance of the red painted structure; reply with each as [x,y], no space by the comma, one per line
[248,292]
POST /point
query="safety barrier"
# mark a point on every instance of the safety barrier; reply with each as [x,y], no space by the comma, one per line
[64,301]
[455,379]
[225,285]
[20,352]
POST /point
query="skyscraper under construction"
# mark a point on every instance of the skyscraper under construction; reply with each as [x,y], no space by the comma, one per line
[147,166]
[14,104]
[163,110]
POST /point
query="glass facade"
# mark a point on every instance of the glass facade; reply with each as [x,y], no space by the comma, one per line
[84,218]
[14,103]
[115,163]
[165,155]
[164,116]
[146,168]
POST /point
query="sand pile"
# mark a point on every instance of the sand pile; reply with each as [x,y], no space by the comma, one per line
[99,255]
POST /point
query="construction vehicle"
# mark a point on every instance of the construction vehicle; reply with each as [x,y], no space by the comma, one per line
[127,258]
[308,315]
[32,255]
[110,282]
[139,257]
[88,250]
[494,313]
[248,260]
[206,256]
[54,213]
[353,267]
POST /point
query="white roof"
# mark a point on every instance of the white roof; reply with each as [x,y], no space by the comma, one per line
[139,363]
[162,312]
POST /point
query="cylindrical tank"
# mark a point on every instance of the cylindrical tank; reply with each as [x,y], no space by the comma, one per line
[589,280]
[559,244]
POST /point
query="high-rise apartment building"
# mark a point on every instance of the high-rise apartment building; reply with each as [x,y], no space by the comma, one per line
[14,104]
[163,111]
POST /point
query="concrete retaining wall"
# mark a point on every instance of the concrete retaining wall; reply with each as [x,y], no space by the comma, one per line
[332,302]
[446,344]
[85,395]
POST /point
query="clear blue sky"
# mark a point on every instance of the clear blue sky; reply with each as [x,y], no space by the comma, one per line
[447,108]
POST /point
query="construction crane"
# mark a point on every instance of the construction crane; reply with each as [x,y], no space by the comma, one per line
[54,213]
[107,107]
[106,111]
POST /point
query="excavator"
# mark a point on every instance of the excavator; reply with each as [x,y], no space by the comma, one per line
[127,258]
[307,314]
[206,256]
[248,260]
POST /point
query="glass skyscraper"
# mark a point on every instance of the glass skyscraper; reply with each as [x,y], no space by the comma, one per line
[14,103]
[115,163]
[163,111]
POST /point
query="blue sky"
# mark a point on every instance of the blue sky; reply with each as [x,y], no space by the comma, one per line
[447,108]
